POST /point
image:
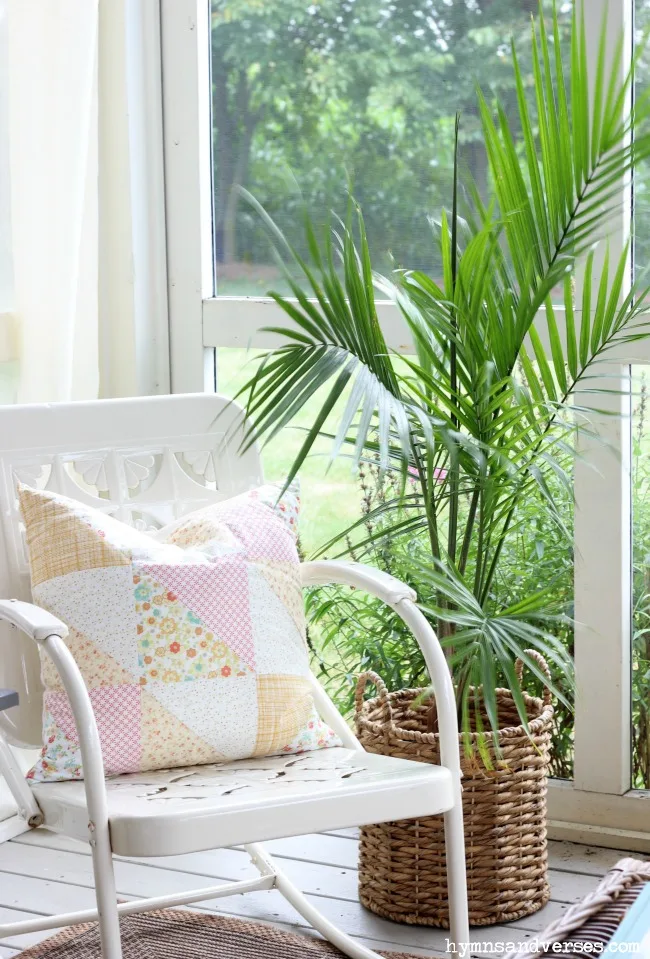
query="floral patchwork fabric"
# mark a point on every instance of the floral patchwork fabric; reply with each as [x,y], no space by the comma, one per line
[173,642]
[191,641]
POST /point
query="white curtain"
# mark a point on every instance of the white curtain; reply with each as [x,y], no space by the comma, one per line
[53,175]
[82,235]
[49,209]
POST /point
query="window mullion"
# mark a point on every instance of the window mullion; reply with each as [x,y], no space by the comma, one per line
[188,188]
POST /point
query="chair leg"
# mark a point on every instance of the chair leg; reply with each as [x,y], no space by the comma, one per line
[14,776]
[267,866]
[456,878]
[95,789]
[328,930]
[105,892]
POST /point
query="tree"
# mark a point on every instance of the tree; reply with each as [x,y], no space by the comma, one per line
[362,88]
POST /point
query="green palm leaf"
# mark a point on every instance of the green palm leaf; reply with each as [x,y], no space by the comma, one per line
[486,413]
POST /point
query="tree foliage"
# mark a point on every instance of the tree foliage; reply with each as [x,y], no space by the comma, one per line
[309,96]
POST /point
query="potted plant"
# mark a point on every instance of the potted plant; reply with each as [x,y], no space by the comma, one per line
[461,435]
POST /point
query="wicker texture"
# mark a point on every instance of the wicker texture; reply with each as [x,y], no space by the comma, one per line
[171,934]
[597,917]
[402,873]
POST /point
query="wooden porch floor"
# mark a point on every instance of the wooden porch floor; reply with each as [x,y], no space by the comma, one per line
[42,873]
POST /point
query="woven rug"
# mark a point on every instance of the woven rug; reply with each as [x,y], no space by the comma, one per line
[172,934]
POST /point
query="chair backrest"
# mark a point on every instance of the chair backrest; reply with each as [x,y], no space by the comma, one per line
[145,461]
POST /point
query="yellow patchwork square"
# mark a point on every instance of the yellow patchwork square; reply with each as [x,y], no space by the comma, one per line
[59,542]
[284,708]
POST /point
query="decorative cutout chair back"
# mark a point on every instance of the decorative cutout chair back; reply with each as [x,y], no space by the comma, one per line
[145,461]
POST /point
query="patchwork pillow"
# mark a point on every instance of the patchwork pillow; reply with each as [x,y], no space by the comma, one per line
[191,641]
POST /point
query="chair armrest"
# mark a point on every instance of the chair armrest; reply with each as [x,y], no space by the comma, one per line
[401,598]
[386,587]
[51,632]
[8,698]
[36,622]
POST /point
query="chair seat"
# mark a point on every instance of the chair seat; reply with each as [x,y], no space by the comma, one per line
[169,812]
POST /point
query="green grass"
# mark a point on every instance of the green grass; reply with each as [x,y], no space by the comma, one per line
[331,499]
[248,286]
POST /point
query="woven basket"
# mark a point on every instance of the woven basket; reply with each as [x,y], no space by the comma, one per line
[596,918]
[402,864]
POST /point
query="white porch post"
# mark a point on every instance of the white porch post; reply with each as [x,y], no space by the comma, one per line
[603,595]
[602,524]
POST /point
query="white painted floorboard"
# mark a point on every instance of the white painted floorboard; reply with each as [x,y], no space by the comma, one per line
[42,873]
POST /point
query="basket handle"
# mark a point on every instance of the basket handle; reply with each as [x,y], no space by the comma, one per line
[382,695]
[543,665]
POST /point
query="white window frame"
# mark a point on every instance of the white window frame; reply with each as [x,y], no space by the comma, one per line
[598,805]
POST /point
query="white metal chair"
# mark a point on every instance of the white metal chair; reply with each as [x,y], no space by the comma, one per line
[148,461]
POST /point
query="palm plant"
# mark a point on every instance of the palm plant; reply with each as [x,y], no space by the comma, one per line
[486,410]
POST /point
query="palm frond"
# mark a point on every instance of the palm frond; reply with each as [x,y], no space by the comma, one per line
[485,415]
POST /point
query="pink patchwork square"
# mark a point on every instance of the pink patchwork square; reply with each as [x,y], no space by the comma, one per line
[261,533]
[118,714]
